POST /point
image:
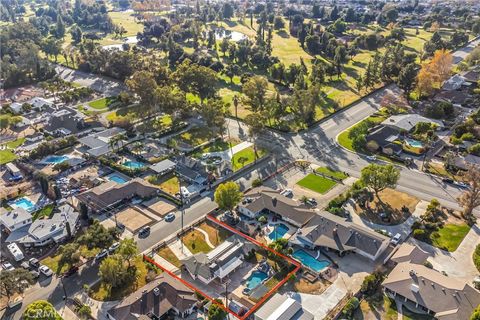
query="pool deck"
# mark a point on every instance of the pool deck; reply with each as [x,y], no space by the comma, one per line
[269,227]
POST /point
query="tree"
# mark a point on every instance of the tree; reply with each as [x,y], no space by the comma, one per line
[196,79]
[60,28]
[215,312]
[434,73]
[14,281]
[69,254]
[112,272]
[407,78]
[278,23]
[256,125]
[228,195]
[77,34]
[41,309]
[470,198]
[476,313]
[213,112]
[143,84]
[227,11]
[232,70]
[127,250]
[255,90]
[379,177]
[350,307]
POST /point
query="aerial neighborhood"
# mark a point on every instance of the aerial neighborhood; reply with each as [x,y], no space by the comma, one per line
[252,160]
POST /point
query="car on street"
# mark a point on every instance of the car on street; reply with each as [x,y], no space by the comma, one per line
[372,158]
[448,181]
[7,266]
[70,272]
[396,239]
[169,217]
[287,193]
[113,247]
[46,271]
[144,231]
[312,202]
[34,263]
[102,254]
[462,185]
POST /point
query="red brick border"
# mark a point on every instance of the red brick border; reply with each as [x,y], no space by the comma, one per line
[264,298]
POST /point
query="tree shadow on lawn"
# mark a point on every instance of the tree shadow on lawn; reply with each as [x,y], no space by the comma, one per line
[349,71]
[230,23]
[372,213]
[226,84]
[284,34]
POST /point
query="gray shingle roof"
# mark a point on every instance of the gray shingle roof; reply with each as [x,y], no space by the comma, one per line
[163,166]
[18,215]
[330,231]
[408,121]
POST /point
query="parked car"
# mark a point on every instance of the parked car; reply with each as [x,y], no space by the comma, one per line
[35,274]
[113,247]
[71,272]
[15,303]
[287,193]
[25,265]
[312,202]
[462,185]
[144,231]
[169,217]
[7,266]
[45,271]
[34,263]
[396,239]
[372,158]
[102,254]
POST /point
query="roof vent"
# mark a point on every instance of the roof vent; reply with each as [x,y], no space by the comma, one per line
[414,287]
[156,291]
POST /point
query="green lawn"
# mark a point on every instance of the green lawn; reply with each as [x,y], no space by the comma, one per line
[45,212]
[102,103]
[193,137]
[449,236]
[245,157]
[6,156]
[317,183]
[16,143]
[217,146]
[331,173]
[195,242]
[126,20]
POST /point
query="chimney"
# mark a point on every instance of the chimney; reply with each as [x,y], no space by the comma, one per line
[274,201]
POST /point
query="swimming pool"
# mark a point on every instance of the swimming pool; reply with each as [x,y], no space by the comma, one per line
[55,159]
[133,164]
[414,143]
[23,203]
[255,279]
[117,178]
[278,232]
[309,261]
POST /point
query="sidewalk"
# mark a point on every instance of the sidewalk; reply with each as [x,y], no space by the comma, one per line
[228,154]
[180,250]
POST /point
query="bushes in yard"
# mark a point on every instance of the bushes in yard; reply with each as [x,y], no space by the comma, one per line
[350,307]
[372,282]
[47,148]
[476,257]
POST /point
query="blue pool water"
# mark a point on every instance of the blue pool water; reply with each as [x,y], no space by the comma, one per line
[255,279]
[309,261]
[117,178]
[278,232]
[55,159]
[133,164]
[414,143]
[23,203]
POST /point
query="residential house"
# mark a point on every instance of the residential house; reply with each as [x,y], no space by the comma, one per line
[15,219]
[406,122]
[425,290]
[472,76]
[384,137]
[98,143]
[164,296]
[191,170]
[408,253]
[457,97]
[41,232]
[15,173]
[163,167]
[216,264]
[463,162]
[282,307]
[326,230]
[454,83]
[266,200]
[37,102]
[67,121]
[111,193]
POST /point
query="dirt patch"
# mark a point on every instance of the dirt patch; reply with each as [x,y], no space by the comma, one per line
[216,235]
[160,207]
[133,219]
[398,205]
[305,286]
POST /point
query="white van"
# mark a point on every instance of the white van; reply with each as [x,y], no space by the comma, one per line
[15,251]
[185,192]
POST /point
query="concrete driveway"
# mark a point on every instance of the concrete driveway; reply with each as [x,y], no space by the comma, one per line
[459,263]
